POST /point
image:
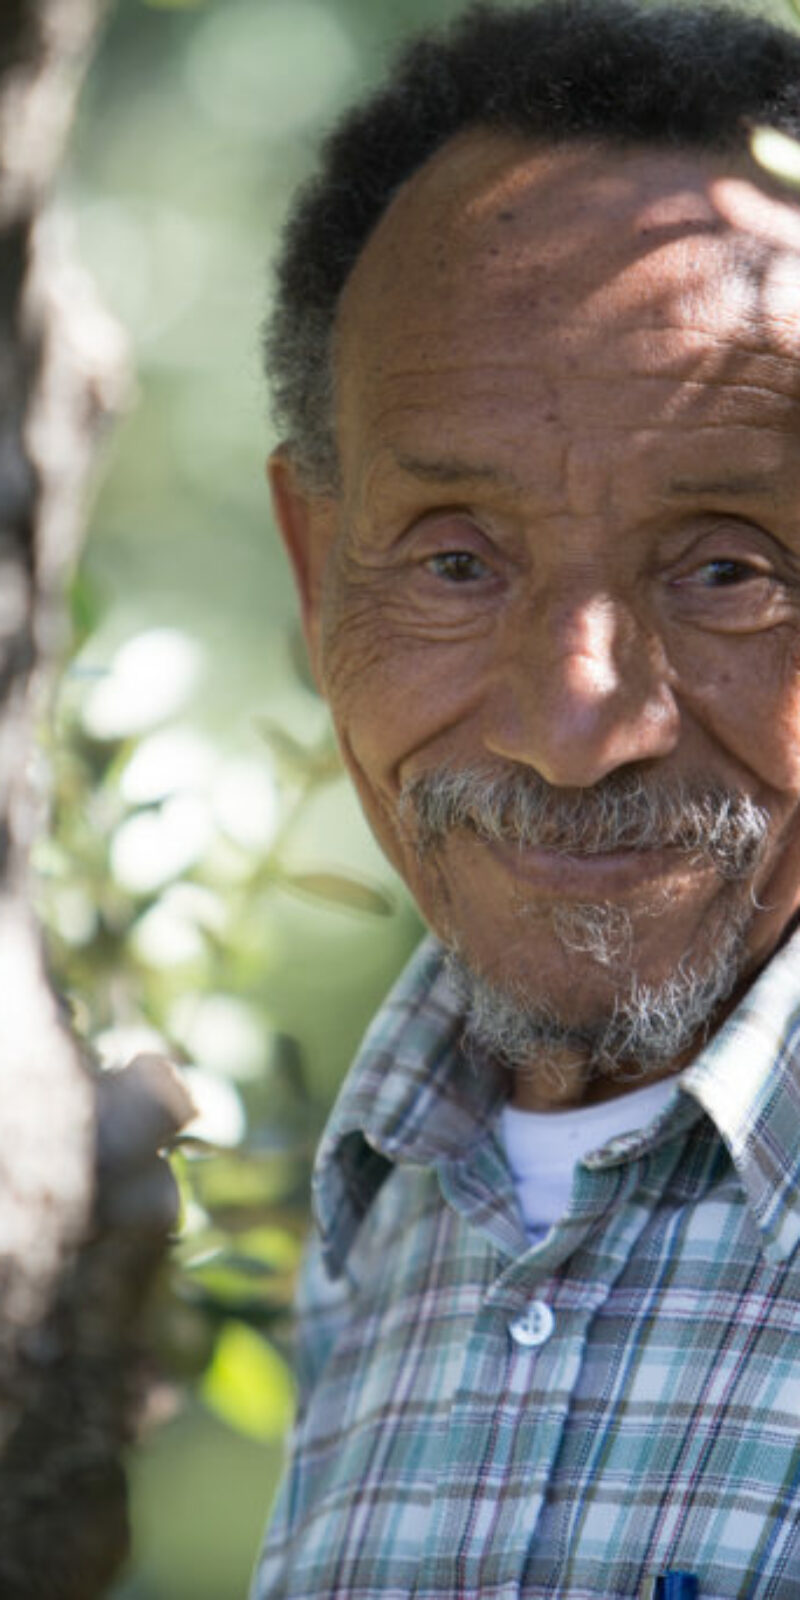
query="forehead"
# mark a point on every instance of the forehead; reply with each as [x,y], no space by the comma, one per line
[503,267]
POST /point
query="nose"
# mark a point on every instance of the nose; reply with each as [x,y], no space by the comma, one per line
[583,690]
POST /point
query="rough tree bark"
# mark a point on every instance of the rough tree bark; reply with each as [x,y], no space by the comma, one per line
[84,1199]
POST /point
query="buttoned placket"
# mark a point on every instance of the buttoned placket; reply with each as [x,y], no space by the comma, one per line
[520,1369]
[482,1282]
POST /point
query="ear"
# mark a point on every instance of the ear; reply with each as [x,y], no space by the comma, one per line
[307,522]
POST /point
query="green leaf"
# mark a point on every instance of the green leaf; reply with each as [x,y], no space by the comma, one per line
[240,1282]
[275,1248]
[352,894]
[226,1183]
[86,606]
[248,1385]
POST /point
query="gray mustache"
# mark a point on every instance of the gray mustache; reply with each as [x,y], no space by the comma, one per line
[716,826]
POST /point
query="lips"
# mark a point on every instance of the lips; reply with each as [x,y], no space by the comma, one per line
[597,876]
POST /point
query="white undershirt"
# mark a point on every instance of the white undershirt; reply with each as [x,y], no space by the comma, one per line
[543,1147]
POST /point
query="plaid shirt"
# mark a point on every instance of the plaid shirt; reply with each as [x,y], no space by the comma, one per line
[481,1417]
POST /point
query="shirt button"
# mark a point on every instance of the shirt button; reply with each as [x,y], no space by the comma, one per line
[535,1325]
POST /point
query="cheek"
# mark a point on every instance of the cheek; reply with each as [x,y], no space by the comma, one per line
[399,703]
[394,693]
[748,697]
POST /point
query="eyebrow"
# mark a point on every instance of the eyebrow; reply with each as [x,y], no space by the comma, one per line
[452,469]
[455,470]
[741,484]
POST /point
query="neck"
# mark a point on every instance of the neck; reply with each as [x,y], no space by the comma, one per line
[566,1079]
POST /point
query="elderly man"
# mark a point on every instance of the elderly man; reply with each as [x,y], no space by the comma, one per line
[535,353]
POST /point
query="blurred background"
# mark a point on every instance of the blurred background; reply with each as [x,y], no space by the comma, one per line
[208,884]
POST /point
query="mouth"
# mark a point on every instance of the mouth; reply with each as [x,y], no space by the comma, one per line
[595,876]
[617,833]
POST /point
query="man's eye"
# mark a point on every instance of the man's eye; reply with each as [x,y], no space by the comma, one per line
[725,571]
[457,566]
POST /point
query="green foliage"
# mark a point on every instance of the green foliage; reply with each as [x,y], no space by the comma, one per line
[166,883]
[208,885]
[159,884]
[207,888]
[336,890]
[174,5]
[247,1385]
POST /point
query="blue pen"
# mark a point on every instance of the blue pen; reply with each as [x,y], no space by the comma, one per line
[670,1585]
[679,1586]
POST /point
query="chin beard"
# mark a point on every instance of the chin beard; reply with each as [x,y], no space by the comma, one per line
[646,1026]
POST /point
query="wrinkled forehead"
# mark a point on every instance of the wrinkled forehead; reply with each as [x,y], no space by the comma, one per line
[582,235]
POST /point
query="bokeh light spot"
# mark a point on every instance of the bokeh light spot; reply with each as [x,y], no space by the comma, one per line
[151,677]
[270,69]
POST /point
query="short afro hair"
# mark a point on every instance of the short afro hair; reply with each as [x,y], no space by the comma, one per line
[560,70]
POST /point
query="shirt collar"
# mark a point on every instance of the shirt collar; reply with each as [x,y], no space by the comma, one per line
[747,1080]
[413,1096]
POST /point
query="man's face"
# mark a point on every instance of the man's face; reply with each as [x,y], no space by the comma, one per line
[566,545]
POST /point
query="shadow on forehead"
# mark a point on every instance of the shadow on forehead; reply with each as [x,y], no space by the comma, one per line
[688,76]
[510,197]
[599,262]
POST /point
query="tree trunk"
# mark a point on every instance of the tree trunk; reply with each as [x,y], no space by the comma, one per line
[74,1259]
